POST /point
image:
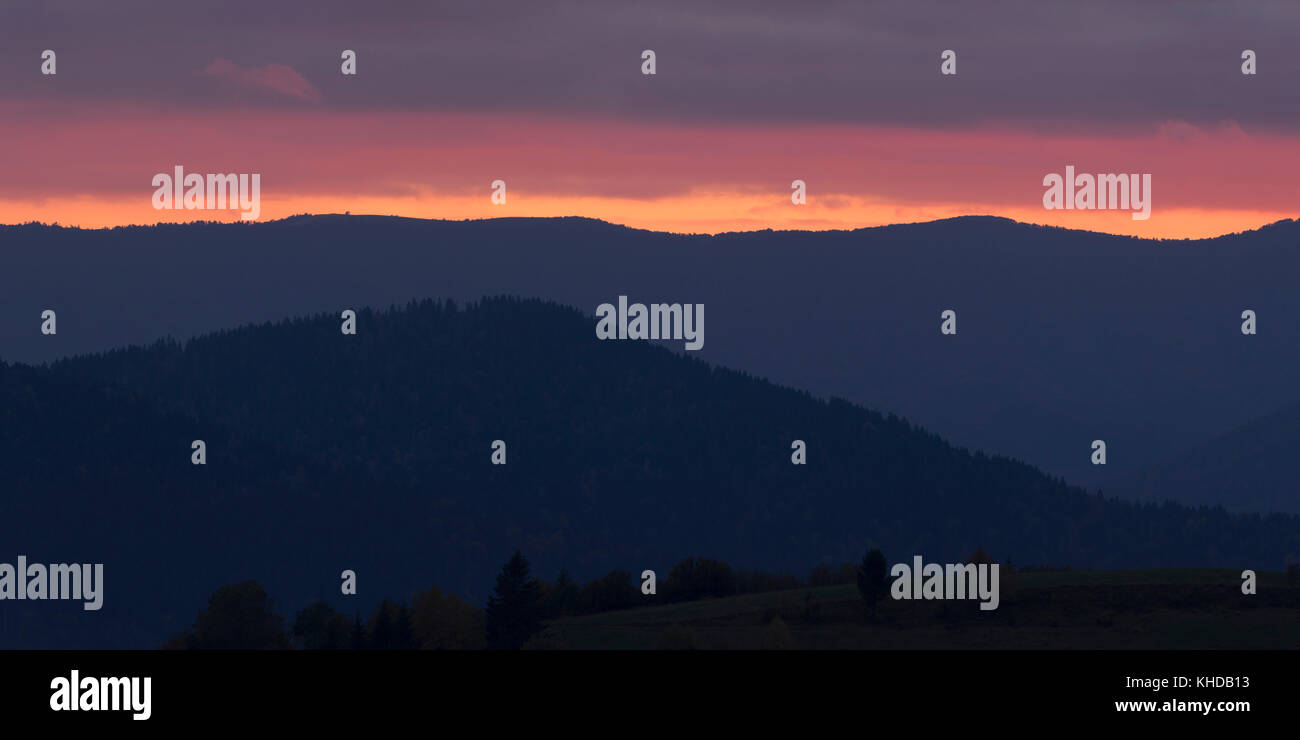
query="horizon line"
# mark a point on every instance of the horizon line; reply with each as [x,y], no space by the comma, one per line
[297,216]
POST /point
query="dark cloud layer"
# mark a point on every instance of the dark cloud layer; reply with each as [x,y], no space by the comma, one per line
[1037,63]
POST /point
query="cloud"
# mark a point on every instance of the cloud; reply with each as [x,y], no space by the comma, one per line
[274,79]
[1038,65]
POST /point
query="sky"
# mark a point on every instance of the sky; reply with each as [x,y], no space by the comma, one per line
[747,97]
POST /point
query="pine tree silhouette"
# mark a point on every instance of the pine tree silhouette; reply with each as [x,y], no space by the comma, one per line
[358,633]
[514,609]
[872,581]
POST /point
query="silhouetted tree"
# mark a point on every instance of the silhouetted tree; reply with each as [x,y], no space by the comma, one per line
[239,617]
[403,630]
[380,629]
[358,638]
[514,609]
[700,578]
[979,557]
[758,581]
[390,627]
[615,590]
[318,627]
[442,621]
[873,579]
[562,599]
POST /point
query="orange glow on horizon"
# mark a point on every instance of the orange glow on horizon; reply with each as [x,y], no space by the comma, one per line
[63,167]
[710,213]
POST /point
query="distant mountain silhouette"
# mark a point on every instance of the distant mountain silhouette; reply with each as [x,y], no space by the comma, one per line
[1250,468]
[372,452]
[1063,336]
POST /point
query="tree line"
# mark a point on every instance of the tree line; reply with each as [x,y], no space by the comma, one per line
[243,616]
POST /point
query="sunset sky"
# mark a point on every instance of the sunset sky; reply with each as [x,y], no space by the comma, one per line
[748,96]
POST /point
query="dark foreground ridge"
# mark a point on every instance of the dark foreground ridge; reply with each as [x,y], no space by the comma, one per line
[372,452]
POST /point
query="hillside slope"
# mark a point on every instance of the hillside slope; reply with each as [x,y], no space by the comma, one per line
[372,452]
[1063,336]
[1247,469]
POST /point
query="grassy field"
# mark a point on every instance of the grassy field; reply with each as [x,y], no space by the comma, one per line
[1136,609]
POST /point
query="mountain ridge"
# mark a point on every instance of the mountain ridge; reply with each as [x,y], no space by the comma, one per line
[1064,337]
[374,217]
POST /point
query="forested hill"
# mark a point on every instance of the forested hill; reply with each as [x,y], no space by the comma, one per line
[1250,468]
[373,452]
[1063,336]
